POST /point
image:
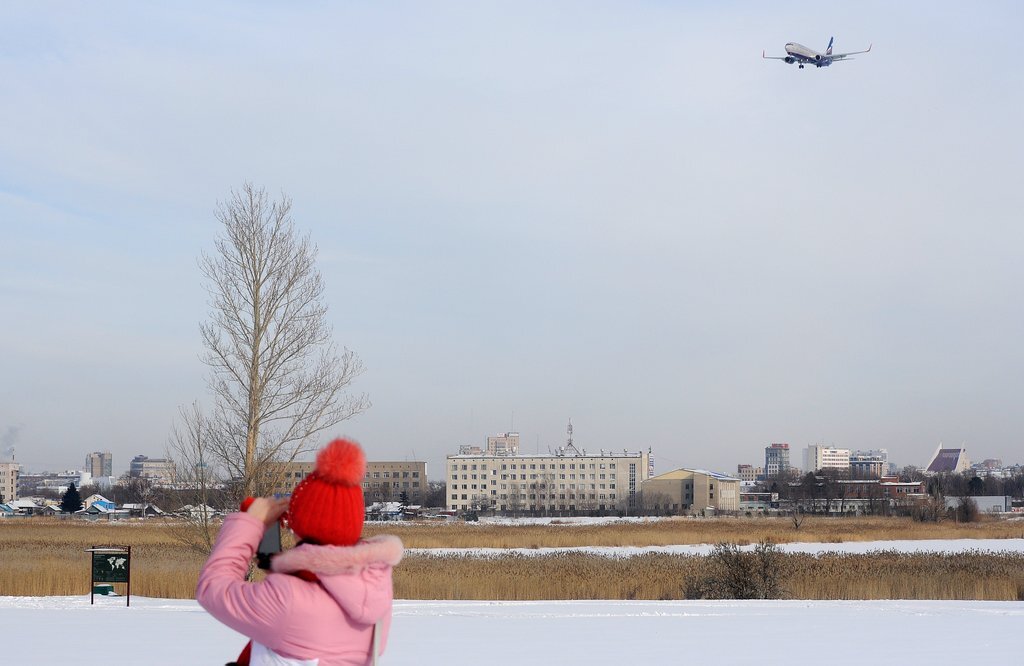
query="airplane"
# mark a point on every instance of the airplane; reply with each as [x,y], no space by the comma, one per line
[805,56]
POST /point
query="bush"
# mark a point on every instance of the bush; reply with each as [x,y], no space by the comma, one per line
[966,511]
[738,574]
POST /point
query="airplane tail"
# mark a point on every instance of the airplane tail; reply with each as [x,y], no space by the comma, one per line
[828,51]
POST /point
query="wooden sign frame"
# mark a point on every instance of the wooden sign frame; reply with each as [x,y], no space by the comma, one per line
[110,564]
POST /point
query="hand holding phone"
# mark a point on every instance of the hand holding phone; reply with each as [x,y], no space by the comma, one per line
[270,512]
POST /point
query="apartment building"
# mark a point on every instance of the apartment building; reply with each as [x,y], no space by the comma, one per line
[567,481]
[869,464]
[818,457]
[748,473]
[776,458]
[383,481]
[386,481]
[99,464]
[159,471]
[8,481]
[692,491]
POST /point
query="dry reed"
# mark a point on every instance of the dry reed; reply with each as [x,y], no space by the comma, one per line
[673,531]
[884,575]
[45,556]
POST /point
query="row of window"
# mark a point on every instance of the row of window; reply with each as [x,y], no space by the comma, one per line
[534,486]
[483,466]
[455,496]
[506,477]
[388,475]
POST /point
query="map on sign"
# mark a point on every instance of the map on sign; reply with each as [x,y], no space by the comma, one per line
[110,567]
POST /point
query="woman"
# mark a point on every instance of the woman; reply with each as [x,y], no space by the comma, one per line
[324,600]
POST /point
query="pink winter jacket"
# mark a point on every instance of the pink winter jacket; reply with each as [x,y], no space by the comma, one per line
[299,619]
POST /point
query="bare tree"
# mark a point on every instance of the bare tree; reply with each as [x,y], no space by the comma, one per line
[276,375]
[197,477]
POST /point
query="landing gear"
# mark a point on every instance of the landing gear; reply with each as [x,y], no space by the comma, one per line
[801,66]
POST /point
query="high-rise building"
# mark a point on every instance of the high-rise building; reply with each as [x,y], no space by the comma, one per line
[818,457]
[776,458]
[99,464]
[8,481]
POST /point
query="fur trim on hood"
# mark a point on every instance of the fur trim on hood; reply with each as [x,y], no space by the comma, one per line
[334,560]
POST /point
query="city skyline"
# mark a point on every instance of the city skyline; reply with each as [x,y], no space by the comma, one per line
[618,214]
[436,469]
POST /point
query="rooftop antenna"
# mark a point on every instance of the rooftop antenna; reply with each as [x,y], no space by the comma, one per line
[569,431]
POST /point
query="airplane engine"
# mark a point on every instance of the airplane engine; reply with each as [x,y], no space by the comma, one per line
[790,60]
[818,57]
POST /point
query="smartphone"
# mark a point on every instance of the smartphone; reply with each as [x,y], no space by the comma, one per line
[270,545]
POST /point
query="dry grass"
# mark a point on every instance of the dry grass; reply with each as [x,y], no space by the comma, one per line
[661,576]
[46,557]
[674,531]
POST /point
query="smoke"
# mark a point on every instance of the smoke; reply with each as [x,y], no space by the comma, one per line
[8,439]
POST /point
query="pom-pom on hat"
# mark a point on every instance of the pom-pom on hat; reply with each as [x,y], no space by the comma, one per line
[327,506]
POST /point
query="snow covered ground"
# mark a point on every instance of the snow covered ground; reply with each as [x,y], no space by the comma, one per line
[59,630]
[164,632]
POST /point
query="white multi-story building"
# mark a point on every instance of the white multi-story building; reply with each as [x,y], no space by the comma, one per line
[569,480]
[8,481]
[818,457]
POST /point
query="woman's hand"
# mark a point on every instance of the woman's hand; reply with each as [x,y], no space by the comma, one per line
[267,509]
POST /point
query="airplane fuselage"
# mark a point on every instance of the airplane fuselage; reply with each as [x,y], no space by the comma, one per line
[805,56]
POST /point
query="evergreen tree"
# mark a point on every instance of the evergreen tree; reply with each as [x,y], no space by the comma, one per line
[403,499]
[71,501]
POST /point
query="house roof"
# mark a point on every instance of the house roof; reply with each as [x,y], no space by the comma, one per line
[686,472]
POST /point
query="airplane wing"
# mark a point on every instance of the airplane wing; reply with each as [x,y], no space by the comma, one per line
[840,56]
[768,57]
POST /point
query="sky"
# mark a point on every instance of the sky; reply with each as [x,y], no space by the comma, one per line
[526,213]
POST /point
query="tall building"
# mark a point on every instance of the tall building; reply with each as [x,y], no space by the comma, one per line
[8,481]
[568,480]
[818,457]
[776,459]
[99,464]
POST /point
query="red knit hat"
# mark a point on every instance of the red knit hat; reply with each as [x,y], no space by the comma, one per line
[327,506]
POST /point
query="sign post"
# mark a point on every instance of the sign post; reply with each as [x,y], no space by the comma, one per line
[110,564]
